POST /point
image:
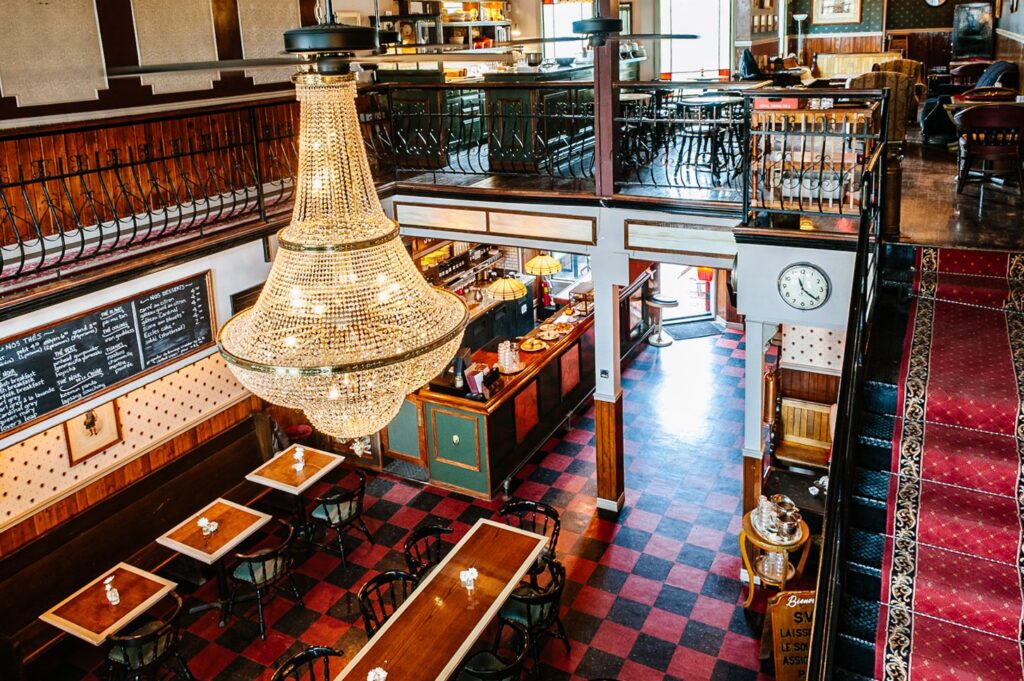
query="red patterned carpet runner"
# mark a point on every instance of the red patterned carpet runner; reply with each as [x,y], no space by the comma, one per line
[952,571]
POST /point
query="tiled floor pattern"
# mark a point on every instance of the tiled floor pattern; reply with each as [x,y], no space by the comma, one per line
[652,594]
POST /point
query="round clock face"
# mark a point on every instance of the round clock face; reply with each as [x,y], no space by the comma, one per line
[804,286]
[935,3]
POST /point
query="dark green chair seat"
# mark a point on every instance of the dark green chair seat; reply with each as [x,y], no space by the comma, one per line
[535,606]
[502,660]
[340,510]
[263,570]
[144,650]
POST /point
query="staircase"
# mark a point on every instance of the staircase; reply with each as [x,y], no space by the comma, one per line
[958,608]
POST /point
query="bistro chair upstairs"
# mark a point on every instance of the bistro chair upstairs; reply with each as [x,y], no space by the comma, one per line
[992,133]
[263,570]
[340,510]
[312,664]
[425,548]
[382,595]
[144,650]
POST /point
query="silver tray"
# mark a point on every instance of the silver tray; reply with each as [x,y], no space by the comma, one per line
[774,537]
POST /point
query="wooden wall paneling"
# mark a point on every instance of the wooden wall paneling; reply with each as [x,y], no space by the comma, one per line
[836,43]
[49,517]
[809,386]
[933,48]
[1011,49]
[752,478]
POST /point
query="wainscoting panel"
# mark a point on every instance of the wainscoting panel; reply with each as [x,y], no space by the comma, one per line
[1010,46]
[159,422]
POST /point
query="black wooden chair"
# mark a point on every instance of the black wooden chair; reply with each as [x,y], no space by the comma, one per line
[312,663]
[538,518]
[424,549]
[144,650]
[537,607]
[502,659]
[382,595]
[340,510]
[263,570]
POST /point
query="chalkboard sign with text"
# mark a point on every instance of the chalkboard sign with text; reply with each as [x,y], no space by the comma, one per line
[51,369]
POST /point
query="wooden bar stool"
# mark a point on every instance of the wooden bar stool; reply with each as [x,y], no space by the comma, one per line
[769,553]
[659,338]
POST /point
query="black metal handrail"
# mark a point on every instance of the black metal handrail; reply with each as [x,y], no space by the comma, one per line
[866,274]
[81,193]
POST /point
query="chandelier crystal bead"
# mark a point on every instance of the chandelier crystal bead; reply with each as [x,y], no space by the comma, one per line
[345,326]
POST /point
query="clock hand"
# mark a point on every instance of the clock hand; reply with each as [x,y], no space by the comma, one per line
[800,281]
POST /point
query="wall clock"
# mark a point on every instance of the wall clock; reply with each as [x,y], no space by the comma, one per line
[935,3]
[804,286]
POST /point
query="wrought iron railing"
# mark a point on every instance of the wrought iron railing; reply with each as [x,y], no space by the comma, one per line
[97,191]
[866,276]
[458,136]
[811,159]
[681,140]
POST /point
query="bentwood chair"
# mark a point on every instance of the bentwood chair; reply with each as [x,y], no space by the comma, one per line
[502,659]
[340,510]
[537,607]
[263,570]
[993,133]
[381,596]
[538,518]
[424,549]
[312,663]
[143,651]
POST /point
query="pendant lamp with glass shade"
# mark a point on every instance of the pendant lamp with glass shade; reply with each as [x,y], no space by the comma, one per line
[506,288]
[345,326]
[543,265]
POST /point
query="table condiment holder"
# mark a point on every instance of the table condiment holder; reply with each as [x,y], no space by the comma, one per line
[777,520]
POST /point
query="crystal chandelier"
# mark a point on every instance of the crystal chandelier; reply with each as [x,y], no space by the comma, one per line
[345,326]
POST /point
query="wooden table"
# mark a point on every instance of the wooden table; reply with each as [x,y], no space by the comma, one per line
[432,631]
[235,524]
[87,614]
[279,473]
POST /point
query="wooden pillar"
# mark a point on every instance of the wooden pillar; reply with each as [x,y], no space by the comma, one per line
[611,484]
[606,72]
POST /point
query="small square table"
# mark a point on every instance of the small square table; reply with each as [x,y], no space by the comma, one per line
[235,524]
[279,473]
[88,615]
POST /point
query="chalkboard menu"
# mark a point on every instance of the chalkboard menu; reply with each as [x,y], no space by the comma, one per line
[51,369]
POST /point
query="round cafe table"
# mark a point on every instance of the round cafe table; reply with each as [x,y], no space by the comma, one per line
[764,550]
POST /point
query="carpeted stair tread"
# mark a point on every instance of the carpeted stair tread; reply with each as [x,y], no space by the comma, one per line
[859,617]
[847,675]
[958,519]
[969,458]
[961,589]
[863,582]
[942,650]
[886,342]
[855,654]
[868,514]
[874,457]
[990,292]
[866,548]
[965,387]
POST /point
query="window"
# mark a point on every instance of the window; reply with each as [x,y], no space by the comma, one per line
[556,19]
[574,267]
[709,53]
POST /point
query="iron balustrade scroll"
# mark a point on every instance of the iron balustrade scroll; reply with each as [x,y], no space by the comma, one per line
[439,134]
[830,582]
[809,160]
[681,140]
[102,189]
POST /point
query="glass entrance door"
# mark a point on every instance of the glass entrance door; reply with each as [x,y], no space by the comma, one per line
[693,287]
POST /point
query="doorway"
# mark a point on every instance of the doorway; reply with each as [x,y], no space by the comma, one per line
[693,287]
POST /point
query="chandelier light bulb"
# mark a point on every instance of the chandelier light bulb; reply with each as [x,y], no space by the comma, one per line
[345,326]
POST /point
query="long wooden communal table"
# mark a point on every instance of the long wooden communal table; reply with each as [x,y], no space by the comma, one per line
[87,614]
[427,637]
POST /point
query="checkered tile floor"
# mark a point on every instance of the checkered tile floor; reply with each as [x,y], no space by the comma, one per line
[652,594]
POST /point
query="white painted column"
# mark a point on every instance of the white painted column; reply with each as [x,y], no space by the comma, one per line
[758,335]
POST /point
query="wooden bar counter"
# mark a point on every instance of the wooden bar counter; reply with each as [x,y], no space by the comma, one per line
[473,446]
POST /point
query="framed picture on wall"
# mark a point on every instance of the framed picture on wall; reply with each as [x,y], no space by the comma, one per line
[836,12]
[94,431]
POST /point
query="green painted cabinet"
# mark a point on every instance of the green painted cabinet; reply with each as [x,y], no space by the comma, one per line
[456,448]
[403,433]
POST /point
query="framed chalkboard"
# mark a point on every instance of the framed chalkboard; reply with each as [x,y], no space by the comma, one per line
[50,369]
